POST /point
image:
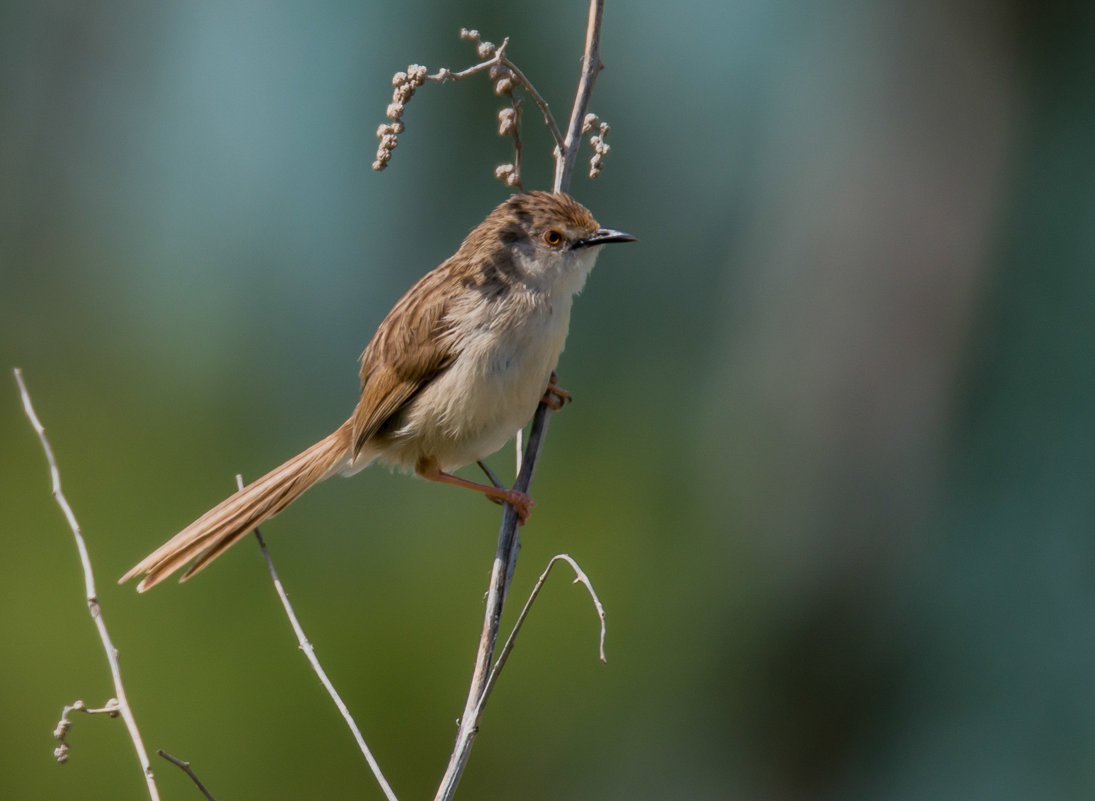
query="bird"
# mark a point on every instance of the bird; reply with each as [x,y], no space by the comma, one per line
[454,370]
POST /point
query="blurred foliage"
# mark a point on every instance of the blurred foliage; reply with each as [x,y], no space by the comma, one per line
[830,465]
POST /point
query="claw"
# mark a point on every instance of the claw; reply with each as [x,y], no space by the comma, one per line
[555,397]
[521,503]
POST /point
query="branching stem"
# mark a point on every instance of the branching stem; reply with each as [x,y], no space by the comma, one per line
[119,701]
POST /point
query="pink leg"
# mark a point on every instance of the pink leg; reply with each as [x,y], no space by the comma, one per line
[521,503]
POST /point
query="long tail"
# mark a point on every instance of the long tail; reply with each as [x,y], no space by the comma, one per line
[211,534]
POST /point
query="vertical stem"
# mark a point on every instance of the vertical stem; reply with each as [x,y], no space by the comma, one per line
[591,66]
[505,557]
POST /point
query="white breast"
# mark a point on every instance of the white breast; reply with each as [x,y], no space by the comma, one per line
[493,387]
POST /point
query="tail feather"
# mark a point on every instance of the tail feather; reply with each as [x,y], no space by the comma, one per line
[215,531]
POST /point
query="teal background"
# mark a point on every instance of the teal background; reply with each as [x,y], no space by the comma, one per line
[830,464]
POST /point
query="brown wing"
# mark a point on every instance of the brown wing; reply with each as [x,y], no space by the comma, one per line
[412,345]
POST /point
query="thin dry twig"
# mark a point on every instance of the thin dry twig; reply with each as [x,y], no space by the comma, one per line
[120,699]
[185,767]
[310,652]
[490,474]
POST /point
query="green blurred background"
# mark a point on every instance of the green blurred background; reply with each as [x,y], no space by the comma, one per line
[830,465]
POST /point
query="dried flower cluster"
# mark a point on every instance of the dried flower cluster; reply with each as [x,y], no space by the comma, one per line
[509,124]
[597,142]
[507,78]
[509,118]
[507,174]
[405,84]
[483,49]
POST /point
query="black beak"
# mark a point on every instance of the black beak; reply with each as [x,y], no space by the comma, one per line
[602,236]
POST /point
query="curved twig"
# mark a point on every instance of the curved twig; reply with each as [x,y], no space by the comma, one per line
[538,99]
[580,577]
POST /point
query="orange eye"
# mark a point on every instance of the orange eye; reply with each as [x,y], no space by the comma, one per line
[553,238]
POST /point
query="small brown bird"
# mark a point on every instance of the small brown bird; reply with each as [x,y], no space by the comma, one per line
[455,369]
